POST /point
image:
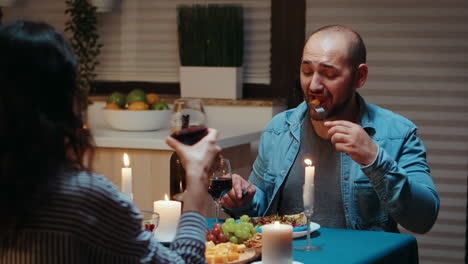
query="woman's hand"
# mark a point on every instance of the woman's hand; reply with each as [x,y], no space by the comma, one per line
[197,160]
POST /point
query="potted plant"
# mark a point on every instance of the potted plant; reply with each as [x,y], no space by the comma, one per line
[211,41]
[82,26]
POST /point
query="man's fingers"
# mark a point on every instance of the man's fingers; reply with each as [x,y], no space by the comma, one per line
[237,185]
[338,123]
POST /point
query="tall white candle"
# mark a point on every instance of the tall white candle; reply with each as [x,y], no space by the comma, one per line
[309,172]
[169,213]
[127,177]
[308,190]
[277,243]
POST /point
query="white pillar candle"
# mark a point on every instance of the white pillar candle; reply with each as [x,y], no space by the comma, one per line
[308,190]
[169,213]
[309,172]
[277,243]
[127,177]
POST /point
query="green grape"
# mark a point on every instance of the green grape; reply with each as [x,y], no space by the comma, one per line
[253,231]
[229,221]
[230,227]
[224,227]
[240,233]
[244,218]
[250,225]
[244,225]
[234,240]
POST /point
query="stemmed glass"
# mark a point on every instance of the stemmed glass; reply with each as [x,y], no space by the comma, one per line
[220,183]
[188,125]
[308,197]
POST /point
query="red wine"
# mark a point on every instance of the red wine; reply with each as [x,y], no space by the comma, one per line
[190,135]
[219,187]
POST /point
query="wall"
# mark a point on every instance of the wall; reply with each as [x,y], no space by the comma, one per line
[417,57]
[140,37]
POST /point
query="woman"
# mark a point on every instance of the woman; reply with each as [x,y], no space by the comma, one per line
[54,209]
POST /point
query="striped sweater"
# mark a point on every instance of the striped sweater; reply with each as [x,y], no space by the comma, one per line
[87,220]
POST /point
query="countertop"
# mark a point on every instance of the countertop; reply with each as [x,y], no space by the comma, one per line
[236,126]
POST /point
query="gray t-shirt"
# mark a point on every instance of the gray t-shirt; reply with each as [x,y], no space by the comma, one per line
[328,199]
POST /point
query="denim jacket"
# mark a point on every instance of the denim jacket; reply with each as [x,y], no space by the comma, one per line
[395,188]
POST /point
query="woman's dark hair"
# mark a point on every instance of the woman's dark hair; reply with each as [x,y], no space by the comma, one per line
[41,121]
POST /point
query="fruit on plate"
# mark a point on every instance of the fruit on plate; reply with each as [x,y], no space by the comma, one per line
[159,106]
[117,99]
[216,235]
[238,232]
[136,95]
[223,252]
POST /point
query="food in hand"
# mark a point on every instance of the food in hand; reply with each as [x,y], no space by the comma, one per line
[295,220]
[223,252]
[315,102]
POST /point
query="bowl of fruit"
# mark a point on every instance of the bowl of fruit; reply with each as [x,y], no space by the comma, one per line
[136,111]
[150,220]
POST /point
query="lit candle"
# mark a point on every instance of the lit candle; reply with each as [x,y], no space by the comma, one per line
[277,243]
[127,177]
[169,213]
[308,190]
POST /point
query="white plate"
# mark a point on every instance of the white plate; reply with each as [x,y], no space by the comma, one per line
[312,227]
[294,262]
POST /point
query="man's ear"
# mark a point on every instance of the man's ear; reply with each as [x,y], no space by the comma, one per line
[361,75]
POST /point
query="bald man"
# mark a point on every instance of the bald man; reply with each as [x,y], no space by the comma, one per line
[371,171]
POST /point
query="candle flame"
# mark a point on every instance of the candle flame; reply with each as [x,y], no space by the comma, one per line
[126,160]
[180,185]
[308,162]
[165,197]
[276,224]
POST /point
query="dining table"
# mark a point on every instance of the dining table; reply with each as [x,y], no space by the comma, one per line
[347,246]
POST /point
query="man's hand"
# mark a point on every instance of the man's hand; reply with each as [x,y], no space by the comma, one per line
[353,140]
[233,199]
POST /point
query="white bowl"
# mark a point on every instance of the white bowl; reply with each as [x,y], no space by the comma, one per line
[144,120]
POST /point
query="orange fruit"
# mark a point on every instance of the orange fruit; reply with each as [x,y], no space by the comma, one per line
[112,106]
[138,106]
[152,98]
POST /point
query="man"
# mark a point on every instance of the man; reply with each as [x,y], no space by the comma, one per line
[371,169]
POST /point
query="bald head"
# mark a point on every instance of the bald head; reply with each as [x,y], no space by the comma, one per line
[356,50]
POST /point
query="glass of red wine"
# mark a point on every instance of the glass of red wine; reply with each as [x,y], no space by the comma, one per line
[188,125]
[220,183]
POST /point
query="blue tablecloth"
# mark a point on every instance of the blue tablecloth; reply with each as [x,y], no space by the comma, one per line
[355,246]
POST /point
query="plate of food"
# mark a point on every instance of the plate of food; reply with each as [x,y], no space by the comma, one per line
[230,253]
[298,221]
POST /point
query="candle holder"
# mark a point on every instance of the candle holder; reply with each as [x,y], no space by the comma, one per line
[308,197]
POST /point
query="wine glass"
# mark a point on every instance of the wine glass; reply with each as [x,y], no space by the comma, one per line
[308,197]
[220,183]
[188,125]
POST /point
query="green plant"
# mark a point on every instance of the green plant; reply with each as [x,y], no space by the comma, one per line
[84,40]
[211,35]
